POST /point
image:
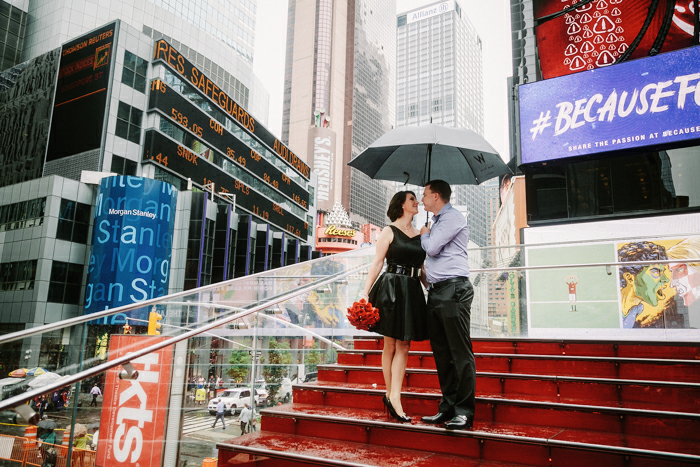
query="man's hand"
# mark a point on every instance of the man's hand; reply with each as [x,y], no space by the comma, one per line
[425,229]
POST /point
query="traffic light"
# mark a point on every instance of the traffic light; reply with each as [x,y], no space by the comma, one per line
[154,323]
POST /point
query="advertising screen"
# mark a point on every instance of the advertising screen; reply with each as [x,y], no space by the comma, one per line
[131,243]
[597,33]
[185,114]
[651,102]
[163,151]
[132,426]
[81,93]
[642,301]
[183,67]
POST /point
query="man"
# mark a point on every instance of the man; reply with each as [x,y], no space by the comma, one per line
[244,417]
[450,297]
[95,391]
[220,412]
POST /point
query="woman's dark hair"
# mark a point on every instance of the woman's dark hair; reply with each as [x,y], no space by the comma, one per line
[396,205]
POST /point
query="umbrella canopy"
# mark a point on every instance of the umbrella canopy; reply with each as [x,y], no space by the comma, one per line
[80,430]
[47,424]
[44,379]
[417,154]
[36,371]
[19,373]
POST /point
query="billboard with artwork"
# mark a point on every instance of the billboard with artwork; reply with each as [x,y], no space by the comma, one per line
[615,301]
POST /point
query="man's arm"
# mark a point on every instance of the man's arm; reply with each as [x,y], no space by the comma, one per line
[435,239]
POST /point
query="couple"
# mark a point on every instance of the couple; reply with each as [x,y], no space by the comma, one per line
[403,314]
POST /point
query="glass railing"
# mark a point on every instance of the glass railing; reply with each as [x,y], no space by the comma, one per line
[251,339]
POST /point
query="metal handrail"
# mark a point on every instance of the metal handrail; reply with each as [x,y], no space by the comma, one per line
[68,380]
[572,242]
[588,265]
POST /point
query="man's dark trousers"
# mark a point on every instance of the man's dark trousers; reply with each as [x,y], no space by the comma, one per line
[449,317]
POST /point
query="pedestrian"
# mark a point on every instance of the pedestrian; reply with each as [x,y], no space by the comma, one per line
[43,405]
[244,417]
[95,391]
[450,297]
[398,295]
[220,413]
[95,438]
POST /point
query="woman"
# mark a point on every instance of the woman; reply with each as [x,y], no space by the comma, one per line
[398,295]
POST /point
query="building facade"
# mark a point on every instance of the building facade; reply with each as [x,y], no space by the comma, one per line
[439,79]
[115,106]
[13,25]
[339,80]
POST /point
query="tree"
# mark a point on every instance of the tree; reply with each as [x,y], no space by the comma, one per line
[240,365]
[313,357]
[278,357]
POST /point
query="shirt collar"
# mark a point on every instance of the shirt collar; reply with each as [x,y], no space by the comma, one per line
[442,211]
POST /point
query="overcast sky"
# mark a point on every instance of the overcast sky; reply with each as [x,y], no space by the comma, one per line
[490,18]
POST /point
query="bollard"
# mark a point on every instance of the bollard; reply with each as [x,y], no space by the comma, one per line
[209,462]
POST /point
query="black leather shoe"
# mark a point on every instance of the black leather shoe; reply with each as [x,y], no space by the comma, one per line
[440,417]
[460,422]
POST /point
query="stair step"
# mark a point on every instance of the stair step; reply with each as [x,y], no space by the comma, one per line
[591,348]
[424,401]
[652,395]
[295,450]
[367,426]
[562,365]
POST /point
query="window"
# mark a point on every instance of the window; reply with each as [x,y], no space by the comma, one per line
[123,166]
[73,221]
[134,72]
[18,275]
[66,279]
[21,215]
[129,122]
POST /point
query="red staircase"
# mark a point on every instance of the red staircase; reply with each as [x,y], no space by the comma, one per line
[543,403]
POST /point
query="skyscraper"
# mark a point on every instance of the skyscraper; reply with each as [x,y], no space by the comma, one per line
[339,87]
[439,80]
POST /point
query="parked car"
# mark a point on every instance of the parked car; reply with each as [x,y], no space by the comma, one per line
[234,399]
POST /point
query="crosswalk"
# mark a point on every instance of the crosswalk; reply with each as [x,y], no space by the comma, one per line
[198,422]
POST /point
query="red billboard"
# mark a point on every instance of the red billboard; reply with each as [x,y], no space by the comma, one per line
[132,427]
[597,33]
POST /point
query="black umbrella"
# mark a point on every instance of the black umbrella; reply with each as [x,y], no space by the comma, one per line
[47,424]
[418,154]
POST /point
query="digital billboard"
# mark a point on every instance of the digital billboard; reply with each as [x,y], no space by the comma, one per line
[170,155]
[179,64]
[131,243]
[187,115]
[651,102]
[79,105]
[597,33]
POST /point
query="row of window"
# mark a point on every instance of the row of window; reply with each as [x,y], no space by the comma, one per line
[18,275]
[73,221]
[64,285]
[22,215]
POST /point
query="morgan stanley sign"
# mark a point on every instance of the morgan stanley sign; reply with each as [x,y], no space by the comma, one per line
[131,243]
[652,101]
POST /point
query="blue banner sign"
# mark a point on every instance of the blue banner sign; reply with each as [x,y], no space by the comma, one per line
[652,101]
[132,240]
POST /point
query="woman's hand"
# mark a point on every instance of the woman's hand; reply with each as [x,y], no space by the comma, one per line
[364,296]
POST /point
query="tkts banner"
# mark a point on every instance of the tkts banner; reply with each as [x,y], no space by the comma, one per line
[651,102]
[597,33]
[134,411]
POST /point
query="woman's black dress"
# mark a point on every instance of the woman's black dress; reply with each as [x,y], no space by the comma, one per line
[399,297]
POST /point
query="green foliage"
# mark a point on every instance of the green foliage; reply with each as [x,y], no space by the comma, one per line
[278,356]
[313,357]
[240,365]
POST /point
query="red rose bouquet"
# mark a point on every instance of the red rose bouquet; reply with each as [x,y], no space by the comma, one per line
[363,315]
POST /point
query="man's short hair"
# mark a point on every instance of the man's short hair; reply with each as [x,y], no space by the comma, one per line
[442,188]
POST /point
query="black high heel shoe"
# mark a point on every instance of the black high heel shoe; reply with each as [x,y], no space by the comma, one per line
[392,412]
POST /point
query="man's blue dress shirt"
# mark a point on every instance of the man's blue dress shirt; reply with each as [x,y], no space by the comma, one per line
[446,246]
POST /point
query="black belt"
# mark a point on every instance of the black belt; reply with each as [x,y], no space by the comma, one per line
[437,285]
[405,270]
